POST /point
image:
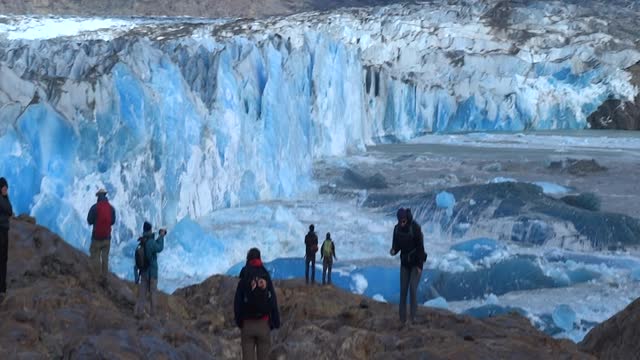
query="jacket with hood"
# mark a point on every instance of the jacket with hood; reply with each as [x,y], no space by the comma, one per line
[239,315]
[152,247]
[408,240]
[93,220]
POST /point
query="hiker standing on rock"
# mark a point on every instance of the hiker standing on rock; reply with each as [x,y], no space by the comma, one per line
[409,241]
[311,245]
[147,264]
[102,216]
[6,212]
[255,308]
[327,255]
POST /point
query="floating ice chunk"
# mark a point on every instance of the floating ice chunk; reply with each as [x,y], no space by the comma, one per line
[454,263]
[379,298]
[635,274]
[559,276]
[491,299]
[501,179]
[551,188]
[564,317]
[445,200]
[479,248]
[358,283]
[438,303]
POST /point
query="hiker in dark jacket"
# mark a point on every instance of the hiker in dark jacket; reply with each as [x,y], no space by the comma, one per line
[327,255]
[101,216]
[149,277]
[409,241]
[6,212]
[311,246]
[255,308]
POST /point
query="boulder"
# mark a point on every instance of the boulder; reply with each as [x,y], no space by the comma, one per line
[616,338]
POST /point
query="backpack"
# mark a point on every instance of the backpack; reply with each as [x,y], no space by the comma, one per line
[102,227]
[140,255]
[327,249]
[256,302]
[412,258]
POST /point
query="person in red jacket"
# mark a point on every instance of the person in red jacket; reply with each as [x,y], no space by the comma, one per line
[102,216]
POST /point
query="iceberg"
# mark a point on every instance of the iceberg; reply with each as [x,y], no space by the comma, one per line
[478,249]
[564,317]
[445,200]
[438,303]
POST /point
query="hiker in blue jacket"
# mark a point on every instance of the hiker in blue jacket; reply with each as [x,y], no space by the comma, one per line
[149,276]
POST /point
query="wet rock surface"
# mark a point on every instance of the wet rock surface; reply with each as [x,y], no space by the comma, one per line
[56,309]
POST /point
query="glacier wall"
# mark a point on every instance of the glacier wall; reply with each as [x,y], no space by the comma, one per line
[179,117]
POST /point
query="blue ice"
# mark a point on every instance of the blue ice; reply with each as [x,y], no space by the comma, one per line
[439,303]
[478,249]
[518,273]
[446,200]
[551,188]
[564,317]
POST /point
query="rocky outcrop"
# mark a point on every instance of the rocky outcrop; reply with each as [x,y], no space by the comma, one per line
[328,323]
[617,114]
[56,309]
[616,338]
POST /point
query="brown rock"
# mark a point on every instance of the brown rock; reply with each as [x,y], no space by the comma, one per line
[618,337]
[56,309]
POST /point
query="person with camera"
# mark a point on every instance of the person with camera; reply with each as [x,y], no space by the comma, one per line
[409,241]
[148,269]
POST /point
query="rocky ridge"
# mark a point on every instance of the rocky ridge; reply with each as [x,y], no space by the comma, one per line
[56,309]
[617,337]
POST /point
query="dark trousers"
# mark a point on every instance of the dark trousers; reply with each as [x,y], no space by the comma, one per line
[327,264]
[4,256]
[255,339]
[310,262]
[409,279]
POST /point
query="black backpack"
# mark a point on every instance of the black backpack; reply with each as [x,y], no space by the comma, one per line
[413,257]
[141,260]
[256,302]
